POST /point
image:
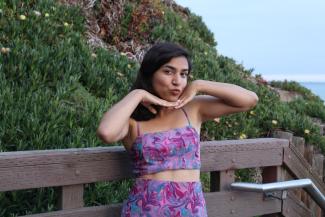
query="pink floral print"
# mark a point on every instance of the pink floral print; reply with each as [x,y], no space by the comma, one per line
[178,148]
[156,198]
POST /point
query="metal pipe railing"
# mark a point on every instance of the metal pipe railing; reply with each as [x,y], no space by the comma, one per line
[307,184]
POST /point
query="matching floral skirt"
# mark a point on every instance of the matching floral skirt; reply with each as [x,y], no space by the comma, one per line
[156,198]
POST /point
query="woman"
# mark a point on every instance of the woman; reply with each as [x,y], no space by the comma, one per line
[159,123]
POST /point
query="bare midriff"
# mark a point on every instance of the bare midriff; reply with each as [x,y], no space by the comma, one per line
[182,175]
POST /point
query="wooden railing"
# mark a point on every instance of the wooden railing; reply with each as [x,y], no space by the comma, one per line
[70,169]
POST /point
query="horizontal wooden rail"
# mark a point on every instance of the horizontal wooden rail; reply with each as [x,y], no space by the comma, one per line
[48,168]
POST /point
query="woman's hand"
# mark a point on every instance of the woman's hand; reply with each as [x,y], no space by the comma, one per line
[188,94]
[149,99]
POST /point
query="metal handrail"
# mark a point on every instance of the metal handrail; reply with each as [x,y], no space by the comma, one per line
[307,184]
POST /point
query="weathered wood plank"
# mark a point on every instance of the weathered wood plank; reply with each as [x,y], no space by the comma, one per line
[318,160]
[273,174]
[293,207]
[219,204]
[71,196]
[37,176]
[283,135]
[73,155]
[299,143]
[251,153]
[35,169]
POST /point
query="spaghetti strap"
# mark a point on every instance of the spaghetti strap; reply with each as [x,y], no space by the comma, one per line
[138,128]
[189,123]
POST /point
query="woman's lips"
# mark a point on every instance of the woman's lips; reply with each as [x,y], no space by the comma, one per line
[175,92]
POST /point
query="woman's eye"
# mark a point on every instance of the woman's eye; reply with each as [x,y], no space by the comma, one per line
[168,72]
[184,75]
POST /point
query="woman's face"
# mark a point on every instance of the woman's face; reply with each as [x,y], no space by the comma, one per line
[170,79]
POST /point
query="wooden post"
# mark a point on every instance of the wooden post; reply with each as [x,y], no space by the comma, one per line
[276,174]
[272,174]
[221,180]
[309,151]
[71,196]
[299,143]
[318,160]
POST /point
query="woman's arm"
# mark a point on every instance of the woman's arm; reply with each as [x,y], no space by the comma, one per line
[115,124]
[222,99]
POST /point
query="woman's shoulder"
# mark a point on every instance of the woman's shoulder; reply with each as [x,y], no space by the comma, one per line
[196,105]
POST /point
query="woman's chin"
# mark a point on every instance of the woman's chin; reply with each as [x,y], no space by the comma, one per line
[173,99]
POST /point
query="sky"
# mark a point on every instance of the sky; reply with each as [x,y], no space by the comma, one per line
[279,39]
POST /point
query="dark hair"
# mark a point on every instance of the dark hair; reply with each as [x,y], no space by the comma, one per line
[158,55]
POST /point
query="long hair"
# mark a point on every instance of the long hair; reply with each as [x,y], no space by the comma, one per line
[158,55]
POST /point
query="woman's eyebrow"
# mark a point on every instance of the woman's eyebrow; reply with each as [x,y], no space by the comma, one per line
[173,68]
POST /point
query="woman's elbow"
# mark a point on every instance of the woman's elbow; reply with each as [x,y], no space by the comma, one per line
[254,100]
[251,102]
[105,136]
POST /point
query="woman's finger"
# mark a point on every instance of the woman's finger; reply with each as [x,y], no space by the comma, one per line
[183,102]
[152,109]
[168,104]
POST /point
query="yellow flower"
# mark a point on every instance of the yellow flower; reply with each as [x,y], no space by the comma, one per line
[205,53]
[93,55]
[274,122]
[5,50]
[66,24]
[252,112]
[46,14]
[123,54]
[129,66]
[37,13]
[163,12]
[22,17]
[307,131]
[120,74]
[242,136]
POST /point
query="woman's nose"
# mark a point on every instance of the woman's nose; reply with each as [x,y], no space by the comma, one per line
[176,80]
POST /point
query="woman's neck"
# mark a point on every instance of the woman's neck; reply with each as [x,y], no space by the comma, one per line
[164,112]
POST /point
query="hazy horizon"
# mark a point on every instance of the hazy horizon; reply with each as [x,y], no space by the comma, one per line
[311,78]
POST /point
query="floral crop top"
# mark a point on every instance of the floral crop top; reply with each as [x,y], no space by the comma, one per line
[177,148]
